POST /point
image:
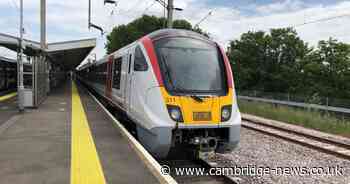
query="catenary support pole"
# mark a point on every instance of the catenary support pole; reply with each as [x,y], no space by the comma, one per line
[43,24]
[20,84]
[170,13]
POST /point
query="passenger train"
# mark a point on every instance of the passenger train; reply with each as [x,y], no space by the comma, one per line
[176,86]
[8,74]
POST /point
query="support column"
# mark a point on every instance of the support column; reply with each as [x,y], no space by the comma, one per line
[20,90]
[43,24]
[170,13]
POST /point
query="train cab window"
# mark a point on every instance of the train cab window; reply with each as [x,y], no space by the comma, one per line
[191,66]
[140,63]
[117,73]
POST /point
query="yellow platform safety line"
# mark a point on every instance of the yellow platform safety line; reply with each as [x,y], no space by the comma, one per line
[85,163]
[8,96]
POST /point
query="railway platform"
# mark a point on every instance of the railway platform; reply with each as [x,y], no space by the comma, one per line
[8,106]
[69,139]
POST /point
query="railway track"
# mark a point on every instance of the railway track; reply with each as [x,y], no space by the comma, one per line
[330,146]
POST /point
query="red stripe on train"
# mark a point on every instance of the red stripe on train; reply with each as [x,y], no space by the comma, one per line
[228,68]
[147,42]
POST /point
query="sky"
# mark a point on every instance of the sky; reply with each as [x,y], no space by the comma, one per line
[68,19]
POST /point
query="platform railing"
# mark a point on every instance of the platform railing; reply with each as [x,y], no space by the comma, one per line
[314,99]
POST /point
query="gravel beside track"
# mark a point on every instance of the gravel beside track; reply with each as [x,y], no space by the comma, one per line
[260,150]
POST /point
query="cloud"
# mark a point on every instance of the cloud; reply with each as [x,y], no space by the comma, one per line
[228,29]
[281,7]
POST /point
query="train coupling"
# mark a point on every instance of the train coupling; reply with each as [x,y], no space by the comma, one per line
[206,146]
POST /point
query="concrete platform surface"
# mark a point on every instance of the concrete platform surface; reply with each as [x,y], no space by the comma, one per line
[8,108]
[42,145]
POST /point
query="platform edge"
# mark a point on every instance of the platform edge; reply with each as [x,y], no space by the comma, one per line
[145,156]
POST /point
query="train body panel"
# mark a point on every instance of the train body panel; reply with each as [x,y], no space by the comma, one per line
[8,75]
[137,80]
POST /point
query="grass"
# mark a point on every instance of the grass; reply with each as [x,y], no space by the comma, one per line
[306,118]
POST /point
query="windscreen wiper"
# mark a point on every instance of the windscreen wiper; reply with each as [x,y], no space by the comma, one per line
[196,98]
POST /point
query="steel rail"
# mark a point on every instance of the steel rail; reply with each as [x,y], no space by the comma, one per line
[329,146]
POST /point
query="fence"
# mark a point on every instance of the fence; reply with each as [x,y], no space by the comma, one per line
[317,100]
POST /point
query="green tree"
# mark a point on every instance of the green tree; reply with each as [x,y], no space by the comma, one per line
[328,69]
[125,34]
[247,56]
[268,61]
[286,53]
[279,61]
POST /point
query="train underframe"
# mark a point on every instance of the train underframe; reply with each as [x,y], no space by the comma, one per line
[202,142]
[199,142]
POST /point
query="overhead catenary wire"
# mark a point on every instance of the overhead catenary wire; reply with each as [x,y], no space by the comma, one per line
[146,9]
[134,6]
[17,8]
[161,2]
[16,5]
[320,20]
[313,22]
[204,18]
[295,25]
[316,21]
[215,19]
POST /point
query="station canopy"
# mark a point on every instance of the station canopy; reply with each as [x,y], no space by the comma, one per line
[66,54]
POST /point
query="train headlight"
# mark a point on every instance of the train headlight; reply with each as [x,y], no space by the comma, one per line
[226,112]
[175,113]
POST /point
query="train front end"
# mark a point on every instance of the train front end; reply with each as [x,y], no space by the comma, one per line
[198,93]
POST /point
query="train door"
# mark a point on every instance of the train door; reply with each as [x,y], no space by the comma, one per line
[128,81]
[2,76]
[108,87]
[6,74]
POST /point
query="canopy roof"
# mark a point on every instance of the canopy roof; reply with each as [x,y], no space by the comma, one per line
[66,54]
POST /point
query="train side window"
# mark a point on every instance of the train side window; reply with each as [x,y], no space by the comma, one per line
[102,73]
[129,63]
[140,63]
[117,73]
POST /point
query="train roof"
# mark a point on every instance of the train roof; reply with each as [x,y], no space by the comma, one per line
[176,32]
[153,36]
[4,59]
[12,61]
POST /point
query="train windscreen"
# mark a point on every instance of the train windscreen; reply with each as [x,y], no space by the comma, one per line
[191,66]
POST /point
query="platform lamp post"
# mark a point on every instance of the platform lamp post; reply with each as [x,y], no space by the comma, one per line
[20,85]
